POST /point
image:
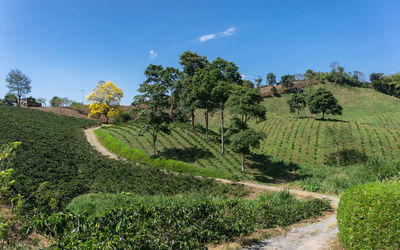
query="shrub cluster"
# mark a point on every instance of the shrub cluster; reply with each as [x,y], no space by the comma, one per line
[55,163]
[369,216]
[172,223]
[389,85]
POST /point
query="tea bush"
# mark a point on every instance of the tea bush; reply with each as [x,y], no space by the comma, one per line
[169,222]
[55,164]
[369,216]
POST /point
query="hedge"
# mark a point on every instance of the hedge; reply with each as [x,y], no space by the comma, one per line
[369,216]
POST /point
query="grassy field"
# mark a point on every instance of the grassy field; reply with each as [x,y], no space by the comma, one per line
[296,149]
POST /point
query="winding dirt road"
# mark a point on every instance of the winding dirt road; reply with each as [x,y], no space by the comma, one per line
[314,236]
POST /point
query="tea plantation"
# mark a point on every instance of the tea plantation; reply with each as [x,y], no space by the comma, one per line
[295,149]
[145,206]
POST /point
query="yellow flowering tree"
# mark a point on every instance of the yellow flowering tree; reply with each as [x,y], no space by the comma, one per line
[104,100]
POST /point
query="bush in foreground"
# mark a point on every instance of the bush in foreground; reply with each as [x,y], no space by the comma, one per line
[369,216]
[179,222]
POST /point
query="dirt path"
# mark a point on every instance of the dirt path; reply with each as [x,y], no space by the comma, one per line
[310,237]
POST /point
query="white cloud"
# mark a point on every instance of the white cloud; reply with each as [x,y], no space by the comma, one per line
[229,32]
[152,54]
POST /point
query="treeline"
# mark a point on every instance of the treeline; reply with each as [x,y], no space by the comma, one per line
[389,85]
[337,75]
[214,86]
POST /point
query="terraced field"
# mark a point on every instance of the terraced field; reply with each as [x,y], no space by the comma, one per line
[295,148]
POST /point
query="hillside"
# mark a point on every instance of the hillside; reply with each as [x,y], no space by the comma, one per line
[295,148]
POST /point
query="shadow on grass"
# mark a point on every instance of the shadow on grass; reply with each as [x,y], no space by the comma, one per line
[330,120]
[278,170]
[185,154]
[346,157]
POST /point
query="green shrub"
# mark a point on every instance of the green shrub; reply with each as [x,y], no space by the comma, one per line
[388,171]
[369,216]
[121,118]
[159,222]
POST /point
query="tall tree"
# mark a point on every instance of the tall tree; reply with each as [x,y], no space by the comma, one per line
[225,74]
[323,101]
[18,83]
[258,81]
[296,103]
[170,78]
[271,79]
[244,140]
[246,104]
[375,76]
[150,107]
[287,81]
[104,100]
[190,62]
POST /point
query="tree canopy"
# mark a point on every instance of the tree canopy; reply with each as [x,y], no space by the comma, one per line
[323,101]
[18,83]
[105,100]
[297,103]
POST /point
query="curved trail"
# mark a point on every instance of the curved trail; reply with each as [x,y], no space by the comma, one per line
[310,237]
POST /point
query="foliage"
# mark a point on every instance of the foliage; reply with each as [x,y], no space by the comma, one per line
[323,101]
[151,104]
[7,154]
[287,81]
[18,83]
[389,85]
[271,79]
[171,223]
[122,117]
[105,100]
[389,171]
[242,141]
[60,101]
[10,99]
[54,152]
[369,216]
[297,103]
[246,103]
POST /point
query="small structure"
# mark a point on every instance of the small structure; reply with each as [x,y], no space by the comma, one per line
[30,102]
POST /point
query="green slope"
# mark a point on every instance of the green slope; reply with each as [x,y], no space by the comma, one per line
[294,148]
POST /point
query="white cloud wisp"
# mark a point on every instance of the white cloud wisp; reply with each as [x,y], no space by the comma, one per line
[229,32]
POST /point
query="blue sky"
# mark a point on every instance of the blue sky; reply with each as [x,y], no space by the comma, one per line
[66,46]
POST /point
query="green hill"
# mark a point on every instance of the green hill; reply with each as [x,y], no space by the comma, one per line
[295,148]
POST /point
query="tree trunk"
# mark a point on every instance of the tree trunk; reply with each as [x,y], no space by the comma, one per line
[243,160]
[337,155]
[192,120]
[106,118]
[222,130]
[298,113]
[171,111]
[323,115]
[154,143]
[206,118]
[19,101]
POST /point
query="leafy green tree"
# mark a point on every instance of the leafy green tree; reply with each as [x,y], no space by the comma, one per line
[244,140]
[18,84]
[226,75]
[246,103]
[55,101]
[375,77]
[248,84]
[297,103]
[150,107]
[271,79]
[323,101]
[190,62]
[258,81]
[170,78]
[287,81]
[10,99]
